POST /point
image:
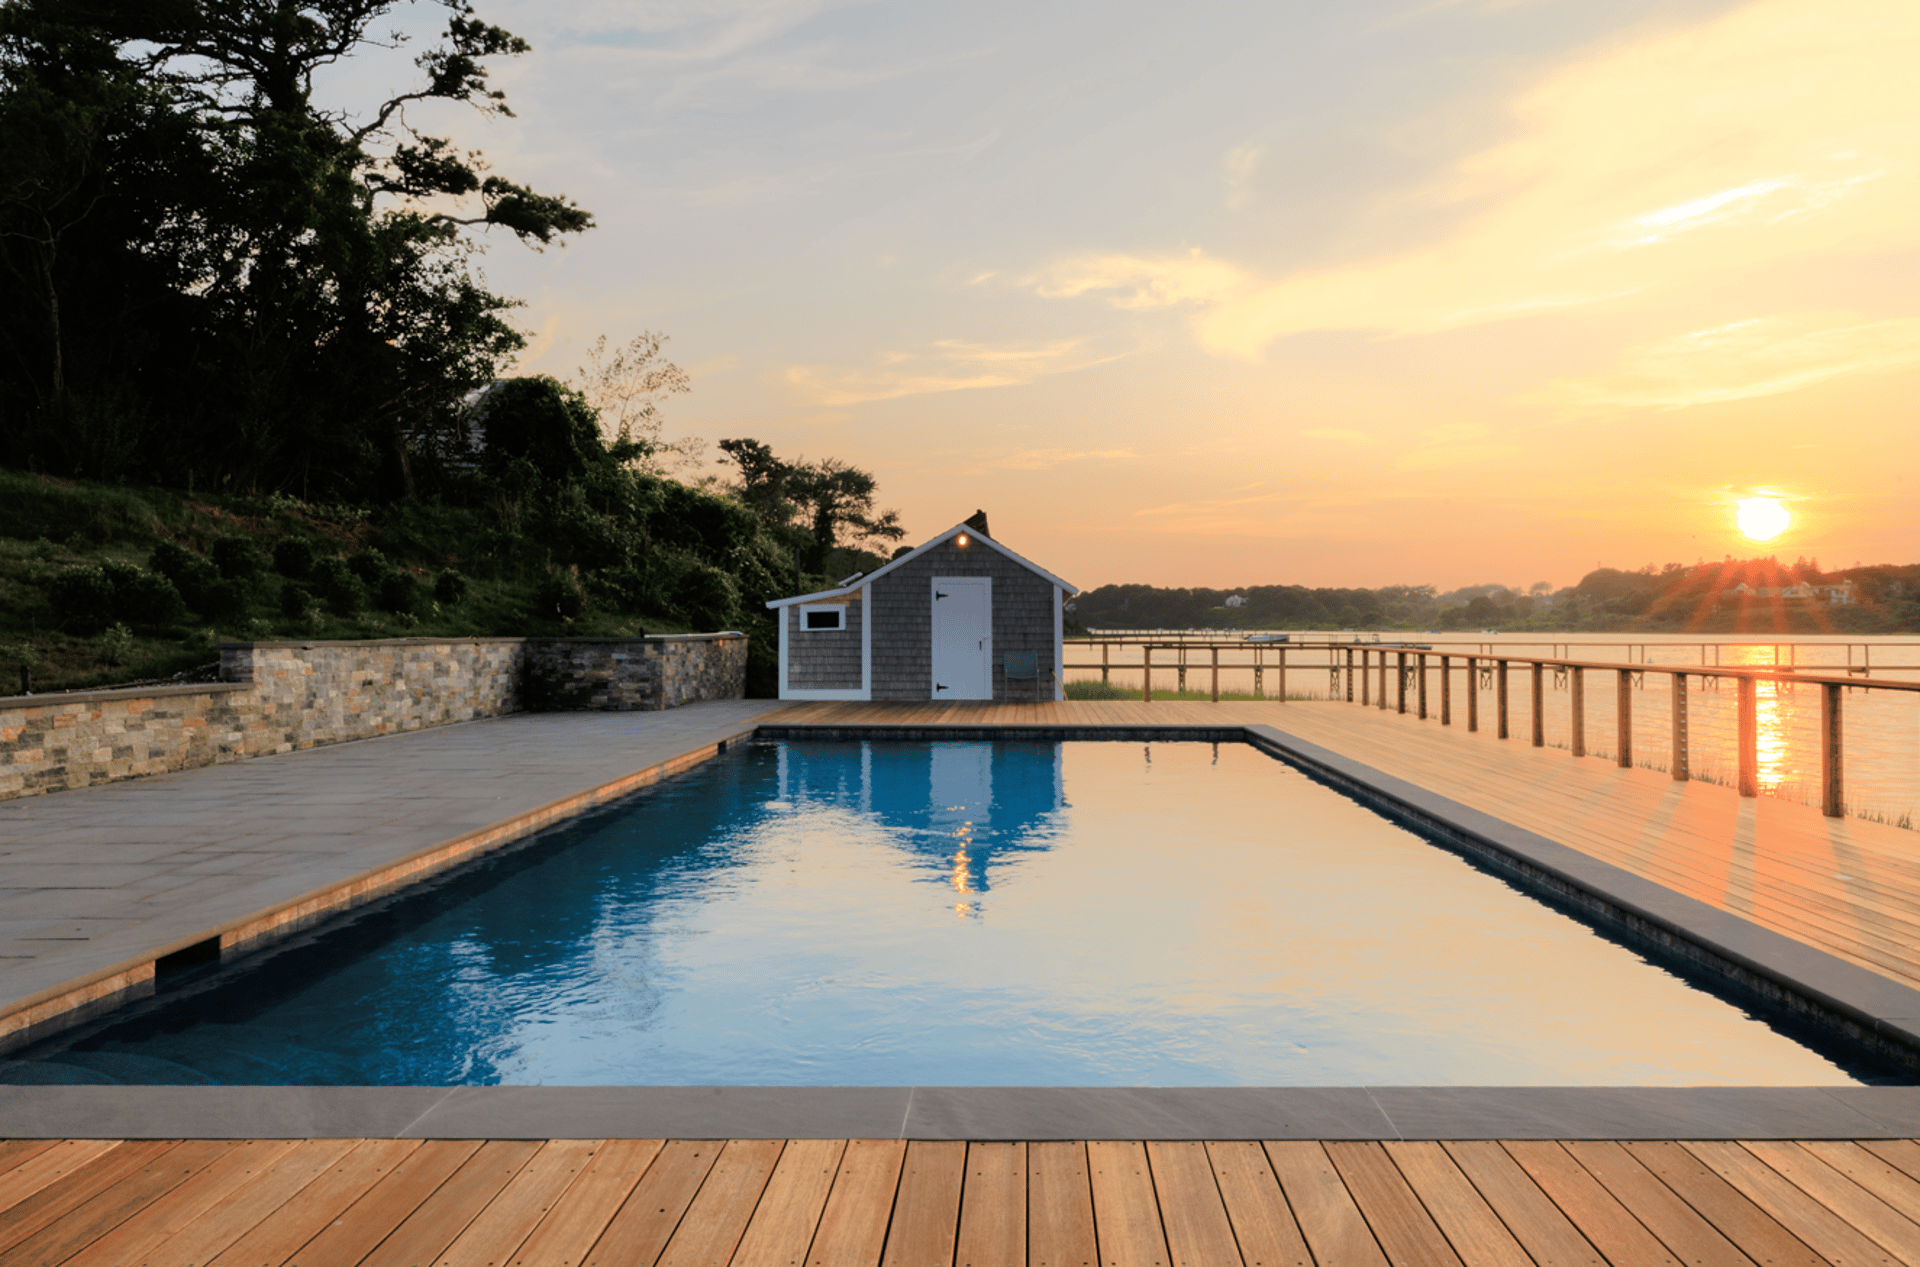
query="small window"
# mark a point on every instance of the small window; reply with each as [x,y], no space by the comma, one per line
[823,617]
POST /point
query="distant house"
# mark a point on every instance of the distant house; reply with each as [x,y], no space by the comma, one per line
[1799,592]
[1236,600]
[960,617]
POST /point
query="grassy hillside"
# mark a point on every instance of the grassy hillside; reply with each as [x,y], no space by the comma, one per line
[102,584]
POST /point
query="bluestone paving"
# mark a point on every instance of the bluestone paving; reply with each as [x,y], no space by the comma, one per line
[138,869]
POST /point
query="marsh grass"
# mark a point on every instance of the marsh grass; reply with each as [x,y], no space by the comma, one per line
[1107,691]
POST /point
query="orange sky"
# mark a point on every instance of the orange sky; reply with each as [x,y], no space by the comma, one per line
[1252,294]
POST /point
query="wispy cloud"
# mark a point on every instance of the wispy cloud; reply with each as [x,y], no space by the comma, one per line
[1782,128]
[1041,459]
[1454,444]
[1760,357]
[1342,434]
[1212,508]
[947,365]
[1241,160]
[697,51]
[1436,456]
[1129,281]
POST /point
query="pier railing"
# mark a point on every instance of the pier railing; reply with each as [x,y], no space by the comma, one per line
[1369,673]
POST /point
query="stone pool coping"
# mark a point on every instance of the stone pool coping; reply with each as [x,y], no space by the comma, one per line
[1019,1113]
[1874,1009]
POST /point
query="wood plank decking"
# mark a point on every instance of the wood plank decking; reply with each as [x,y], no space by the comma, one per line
[891,1203]
[1847,886]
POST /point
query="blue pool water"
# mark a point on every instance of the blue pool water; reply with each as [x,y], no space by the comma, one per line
[1042,914]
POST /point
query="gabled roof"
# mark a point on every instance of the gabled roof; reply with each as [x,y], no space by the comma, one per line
[915,553]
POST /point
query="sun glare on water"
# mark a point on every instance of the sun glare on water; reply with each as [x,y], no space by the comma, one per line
[1762,518]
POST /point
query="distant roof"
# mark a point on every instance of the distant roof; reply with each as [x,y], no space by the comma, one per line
[916,552]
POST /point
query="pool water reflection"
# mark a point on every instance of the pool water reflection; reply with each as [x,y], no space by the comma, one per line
[1080,914]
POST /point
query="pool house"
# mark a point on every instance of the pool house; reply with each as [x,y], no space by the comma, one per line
[960,617]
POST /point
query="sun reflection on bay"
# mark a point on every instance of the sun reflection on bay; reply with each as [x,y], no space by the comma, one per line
[1770,735]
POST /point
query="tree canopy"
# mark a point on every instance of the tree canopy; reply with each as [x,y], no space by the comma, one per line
[818,506]
[207,275]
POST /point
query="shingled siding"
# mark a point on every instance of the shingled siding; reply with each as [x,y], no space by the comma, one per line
[824,659]
[282,696]
[1023,604]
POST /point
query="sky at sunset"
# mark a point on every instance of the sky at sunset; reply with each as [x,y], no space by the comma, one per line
[1282,292]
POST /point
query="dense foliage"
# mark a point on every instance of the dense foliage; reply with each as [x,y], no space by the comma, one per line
[1704,597]
[208,279]
[550,531]
[251,383]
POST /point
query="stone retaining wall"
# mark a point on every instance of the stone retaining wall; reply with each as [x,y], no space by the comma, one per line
[709,667]
[601,674]
[283,696]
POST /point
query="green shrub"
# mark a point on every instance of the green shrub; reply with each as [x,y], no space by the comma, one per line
[171,559]
[239,558]
[294,557]
[707,597]
[560,597]
[120,576]
[82,597]
[633,588]
[449,588]
[116,644]
[369,565]
[224,602]
[142,598]
[342,591]
[399,593]
[191,575]
[295,602]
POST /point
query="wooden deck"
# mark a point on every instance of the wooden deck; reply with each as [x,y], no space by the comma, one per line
[754,1202]
[1847,886]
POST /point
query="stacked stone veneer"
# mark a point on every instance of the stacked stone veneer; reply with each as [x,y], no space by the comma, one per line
[283,696]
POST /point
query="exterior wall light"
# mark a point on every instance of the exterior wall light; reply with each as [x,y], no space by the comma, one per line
[961,541]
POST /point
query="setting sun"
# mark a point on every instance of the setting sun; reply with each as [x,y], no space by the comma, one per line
[1762,518]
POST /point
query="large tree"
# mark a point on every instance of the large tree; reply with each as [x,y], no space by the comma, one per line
[208,273]
[816,506]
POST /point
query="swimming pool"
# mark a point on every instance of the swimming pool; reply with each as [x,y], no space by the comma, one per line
[955,913]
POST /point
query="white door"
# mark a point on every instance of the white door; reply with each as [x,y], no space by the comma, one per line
[962,637]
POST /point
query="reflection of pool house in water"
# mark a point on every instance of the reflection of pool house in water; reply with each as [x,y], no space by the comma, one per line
[959,618]
[959,806]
